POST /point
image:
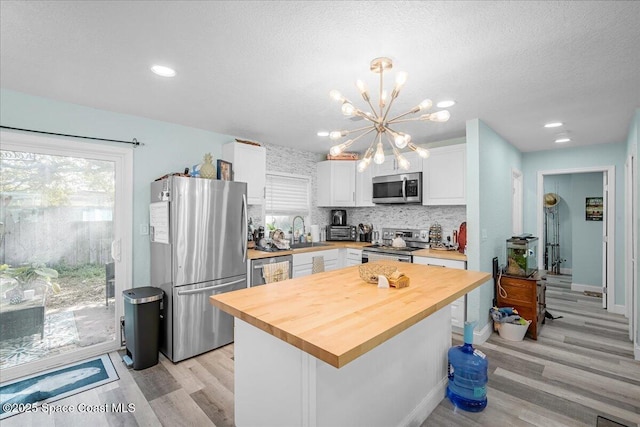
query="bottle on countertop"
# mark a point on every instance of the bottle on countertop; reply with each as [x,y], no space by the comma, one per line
[468,377]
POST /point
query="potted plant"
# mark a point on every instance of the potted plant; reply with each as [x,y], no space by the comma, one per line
[26,278]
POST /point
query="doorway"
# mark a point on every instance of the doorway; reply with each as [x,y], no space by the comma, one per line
[605,262]
[65,207]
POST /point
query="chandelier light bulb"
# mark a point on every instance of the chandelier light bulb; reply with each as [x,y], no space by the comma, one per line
[422,152]
[348,109]
[378,158]
[401,79]
[439,116]
[425,105]
[403,162]
[337,134]
[401,139]
[336,95]
[336,149]
[364,164]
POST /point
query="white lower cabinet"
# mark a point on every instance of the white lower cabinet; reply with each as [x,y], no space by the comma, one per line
[457,307]
[354,257]
[303,262]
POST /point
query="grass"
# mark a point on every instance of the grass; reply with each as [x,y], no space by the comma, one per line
[79,285]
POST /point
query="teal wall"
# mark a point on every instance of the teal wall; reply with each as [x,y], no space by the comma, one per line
[490,160]
[168,148]
[601,155]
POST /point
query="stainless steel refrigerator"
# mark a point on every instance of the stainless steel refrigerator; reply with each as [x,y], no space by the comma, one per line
[198,248]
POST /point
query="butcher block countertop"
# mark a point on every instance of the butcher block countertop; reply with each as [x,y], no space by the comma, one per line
[336,317]
[433,253]
[255,254]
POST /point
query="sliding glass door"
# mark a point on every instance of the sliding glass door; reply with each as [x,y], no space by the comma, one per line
[63,208]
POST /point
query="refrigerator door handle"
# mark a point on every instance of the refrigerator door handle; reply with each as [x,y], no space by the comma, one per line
[246,227]
[208,288]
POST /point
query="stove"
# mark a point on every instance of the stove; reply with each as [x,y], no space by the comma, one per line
[415,240]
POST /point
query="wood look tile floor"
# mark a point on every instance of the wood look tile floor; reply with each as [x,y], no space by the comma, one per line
[580,367]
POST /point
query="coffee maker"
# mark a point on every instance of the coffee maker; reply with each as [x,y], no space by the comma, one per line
[338,217]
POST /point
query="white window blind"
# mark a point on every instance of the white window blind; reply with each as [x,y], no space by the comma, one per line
[287,194]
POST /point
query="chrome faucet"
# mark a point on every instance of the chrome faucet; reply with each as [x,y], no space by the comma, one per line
[293,227]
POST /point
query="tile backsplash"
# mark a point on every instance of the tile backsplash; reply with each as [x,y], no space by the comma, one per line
[291,160]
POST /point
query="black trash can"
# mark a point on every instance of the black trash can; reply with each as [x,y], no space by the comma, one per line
[142,326]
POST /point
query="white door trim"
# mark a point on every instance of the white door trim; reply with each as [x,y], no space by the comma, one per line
[123,160]
[610,213]
[516,201]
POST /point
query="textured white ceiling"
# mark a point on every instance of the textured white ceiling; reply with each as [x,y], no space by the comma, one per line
[262,70]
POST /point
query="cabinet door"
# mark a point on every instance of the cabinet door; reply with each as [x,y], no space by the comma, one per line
[444,176]
[354,257]
[364,187]
[249,164]
[336,184]
[390,165]
[303,262]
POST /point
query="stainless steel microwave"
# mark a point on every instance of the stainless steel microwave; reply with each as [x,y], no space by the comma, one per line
[402,188]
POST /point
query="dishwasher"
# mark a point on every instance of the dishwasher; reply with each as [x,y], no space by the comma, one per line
[257,278]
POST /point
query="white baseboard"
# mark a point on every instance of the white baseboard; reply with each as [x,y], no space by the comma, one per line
[589,288]
[479,337]
[636,352]
[426,406]
[617,309]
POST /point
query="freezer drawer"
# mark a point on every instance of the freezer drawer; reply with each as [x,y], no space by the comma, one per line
[198,326]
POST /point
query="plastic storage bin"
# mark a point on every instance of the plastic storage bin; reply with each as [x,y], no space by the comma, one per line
[142,326]
[512,331]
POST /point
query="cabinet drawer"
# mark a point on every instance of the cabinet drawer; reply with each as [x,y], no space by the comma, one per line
[518,293]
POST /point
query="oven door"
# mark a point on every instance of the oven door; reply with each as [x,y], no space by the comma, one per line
[376,256]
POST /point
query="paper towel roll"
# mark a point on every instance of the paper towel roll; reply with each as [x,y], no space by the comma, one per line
[315,233]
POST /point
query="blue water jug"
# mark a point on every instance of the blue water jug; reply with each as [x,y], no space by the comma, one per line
[467,387]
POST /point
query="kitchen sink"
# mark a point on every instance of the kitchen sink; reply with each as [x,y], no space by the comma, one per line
[307,245]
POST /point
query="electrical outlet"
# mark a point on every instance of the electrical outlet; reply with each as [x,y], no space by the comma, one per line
[144,229]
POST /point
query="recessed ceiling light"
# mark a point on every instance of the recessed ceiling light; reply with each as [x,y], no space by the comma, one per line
[163,71]
[446,104]
[323,133]
[553,124]
[563,139]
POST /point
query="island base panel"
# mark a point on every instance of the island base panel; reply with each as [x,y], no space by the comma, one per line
[396,383]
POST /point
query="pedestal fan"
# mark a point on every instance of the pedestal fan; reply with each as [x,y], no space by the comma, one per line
[552,258]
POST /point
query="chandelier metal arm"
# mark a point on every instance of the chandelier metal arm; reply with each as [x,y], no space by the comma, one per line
[412,119]
[362,128]
[412,111]
[371,129]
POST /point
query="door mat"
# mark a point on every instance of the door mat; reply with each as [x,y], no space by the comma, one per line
[59,330]
[55,384]
[606,422]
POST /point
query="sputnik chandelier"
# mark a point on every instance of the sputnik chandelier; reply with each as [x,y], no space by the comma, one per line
[380,123]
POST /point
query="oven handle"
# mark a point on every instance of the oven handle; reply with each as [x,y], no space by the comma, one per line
[379,255]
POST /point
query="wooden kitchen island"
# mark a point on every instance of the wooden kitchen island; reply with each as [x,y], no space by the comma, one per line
[332,350]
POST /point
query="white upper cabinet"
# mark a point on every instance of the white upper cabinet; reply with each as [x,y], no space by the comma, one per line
[336,183]
[364,187]
[249,164]
[390,165]
[444,176]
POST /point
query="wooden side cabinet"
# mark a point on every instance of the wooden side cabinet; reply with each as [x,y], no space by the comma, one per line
[527,295]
